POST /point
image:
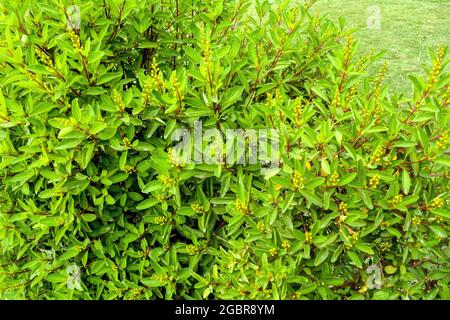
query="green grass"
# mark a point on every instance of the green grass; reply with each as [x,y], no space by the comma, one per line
[408,29]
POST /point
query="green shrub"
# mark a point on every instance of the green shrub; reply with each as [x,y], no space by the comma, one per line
[95,205]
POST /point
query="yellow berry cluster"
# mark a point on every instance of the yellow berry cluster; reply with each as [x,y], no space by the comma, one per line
[192,249]
[446,97]
[297,180]
[157,76]
[438,219]
[44,57]
[385,246]
[376,157]
[117,98]
[374,181]
[351,94]
[442,142]
[261,226]
[270,101]
[129,169]
[61,220]
[342,218]
[362,61]
[174,159]
[377,111]
[273,252]
[286,244]
[385,223]
[168,181]
[242,207]
[308,237]
[416,220]
[348,46]
[126,142]
[135,293]
[437,203]
[260,54]
[176,86]
[388,160]
[298,112]
[76,42]
[278,96]
[206,47]
[161,277]
[355,236]
[161,219]
[337,98]
[147,90]
[65,122]
[198,208]
[334,179]
[343,207]
[397,199]
[437,66]
[381,75]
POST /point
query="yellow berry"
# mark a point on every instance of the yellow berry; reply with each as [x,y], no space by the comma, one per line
[308,237]
[273,252]
[373,182]
[343,207]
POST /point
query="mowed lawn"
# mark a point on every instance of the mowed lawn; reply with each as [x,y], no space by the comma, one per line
[408,28]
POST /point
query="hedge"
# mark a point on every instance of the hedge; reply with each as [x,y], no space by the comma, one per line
[96,204]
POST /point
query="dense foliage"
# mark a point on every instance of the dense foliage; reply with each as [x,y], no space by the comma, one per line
[94,206]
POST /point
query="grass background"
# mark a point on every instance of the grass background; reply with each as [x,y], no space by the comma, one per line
[408,29]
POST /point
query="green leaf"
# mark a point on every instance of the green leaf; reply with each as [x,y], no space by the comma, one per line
[151,283]
[69,254]
[347,179]
[364,248]
[88,217]
[68,144]
[390,269]
[230,97]
[194,55]
[354,258]
[88,154]
[444,161]
[366,198]
[325,166]
[43,107]
[321,256]
[171,124]
[406,182]
[311,197]
[147,203]
[108,77]
[440,232]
